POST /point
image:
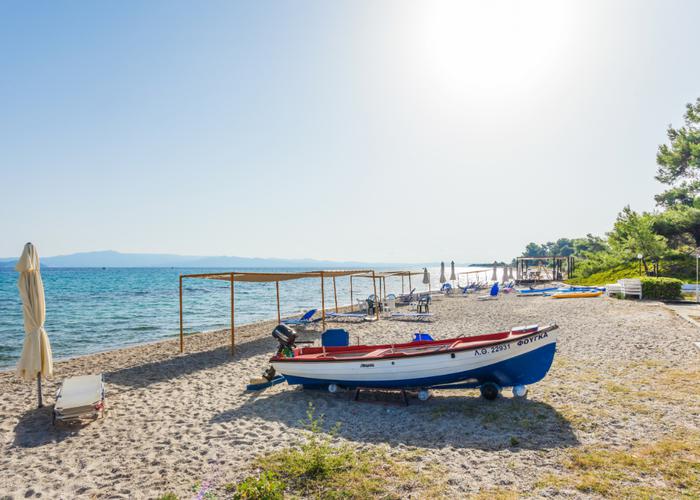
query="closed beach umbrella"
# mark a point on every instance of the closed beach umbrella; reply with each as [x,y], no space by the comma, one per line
[510,273]
[453,276]
[35,362]
[494,276]
[442,272]
[426,277]
[504,278]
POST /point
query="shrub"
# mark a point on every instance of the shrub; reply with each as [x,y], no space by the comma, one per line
[661,288]
[267,486]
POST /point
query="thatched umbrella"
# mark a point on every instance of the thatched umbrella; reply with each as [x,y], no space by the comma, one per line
[35,361]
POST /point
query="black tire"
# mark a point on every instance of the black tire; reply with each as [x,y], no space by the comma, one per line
[490,391]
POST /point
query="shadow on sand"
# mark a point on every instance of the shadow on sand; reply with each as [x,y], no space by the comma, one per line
[178,365]
[35,429]
[459,421]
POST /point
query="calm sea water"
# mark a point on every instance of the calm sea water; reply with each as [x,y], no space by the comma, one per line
[94,309]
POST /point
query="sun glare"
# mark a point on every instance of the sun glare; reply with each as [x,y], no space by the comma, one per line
[491,47]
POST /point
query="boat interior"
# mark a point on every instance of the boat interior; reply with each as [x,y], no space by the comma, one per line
[406,349]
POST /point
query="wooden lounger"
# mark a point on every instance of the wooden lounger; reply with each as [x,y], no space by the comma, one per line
[79,397]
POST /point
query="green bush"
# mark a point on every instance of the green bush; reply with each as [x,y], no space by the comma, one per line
[265,487]
[661,288]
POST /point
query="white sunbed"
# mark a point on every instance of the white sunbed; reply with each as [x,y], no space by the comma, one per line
[631,287]
[415,315]
[356,315]
[78,397]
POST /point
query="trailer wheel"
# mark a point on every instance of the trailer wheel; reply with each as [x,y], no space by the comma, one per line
[423,394]
[332,388]
[490,391]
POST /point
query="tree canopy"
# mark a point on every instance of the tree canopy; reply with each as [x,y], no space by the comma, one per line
[679,161]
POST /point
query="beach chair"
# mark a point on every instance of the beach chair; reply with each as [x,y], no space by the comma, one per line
[423,304]
[373,303]
[631,287]
[304,320]
[351,315]
[406,299]
[79,397]
[613,289]
[416,316]
[390,303]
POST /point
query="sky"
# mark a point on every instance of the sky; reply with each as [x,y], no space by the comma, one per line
[358,130]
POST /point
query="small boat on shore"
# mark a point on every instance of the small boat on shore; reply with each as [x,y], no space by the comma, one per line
[514,358]
[534,292]
[576,295]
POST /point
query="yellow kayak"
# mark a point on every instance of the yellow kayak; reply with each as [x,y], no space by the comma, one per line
[576,295]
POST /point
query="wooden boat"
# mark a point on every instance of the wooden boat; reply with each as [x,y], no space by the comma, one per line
[513,358]
[576,295]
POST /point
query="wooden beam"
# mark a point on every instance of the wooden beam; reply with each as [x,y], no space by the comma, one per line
[277,287]
[335,295]
[323,304]
[233,325]
[352,302]
[376,297]
[182,336]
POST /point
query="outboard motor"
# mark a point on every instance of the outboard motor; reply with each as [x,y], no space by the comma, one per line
[285,336]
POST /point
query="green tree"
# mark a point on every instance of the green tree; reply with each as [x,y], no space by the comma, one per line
[680,226]
[588,245]
[633,234]
[534,250]
[679,161]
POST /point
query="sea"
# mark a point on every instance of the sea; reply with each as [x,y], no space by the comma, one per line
[92,310]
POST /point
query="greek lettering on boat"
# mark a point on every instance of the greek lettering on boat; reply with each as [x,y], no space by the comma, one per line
[533,339]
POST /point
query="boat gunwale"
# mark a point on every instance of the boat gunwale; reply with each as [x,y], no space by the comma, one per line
[509,338]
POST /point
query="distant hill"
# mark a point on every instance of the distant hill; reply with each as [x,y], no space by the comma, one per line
[109,258]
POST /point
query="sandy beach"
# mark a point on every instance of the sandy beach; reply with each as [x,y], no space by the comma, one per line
[625,376]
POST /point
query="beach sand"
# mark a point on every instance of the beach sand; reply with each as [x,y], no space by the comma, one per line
[174,420]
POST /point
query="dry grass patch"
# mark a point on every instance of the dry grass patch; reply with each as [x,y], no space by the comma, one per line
[669,468]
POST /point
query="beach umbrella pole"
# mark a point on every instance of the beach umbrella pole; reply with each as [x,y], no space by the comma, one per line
[38,389]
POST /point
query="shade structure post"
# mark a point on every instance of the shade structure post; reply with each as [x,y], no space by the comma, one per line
[402,284]
[335,295]
[182,336]
[277,288]
[352,302]
[384,281]
[374,284]
[233,327]
[40,401]
[323,304]
[410,287]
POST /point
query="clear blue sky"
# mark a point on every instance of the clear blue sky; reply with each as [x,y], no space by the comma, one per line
[395,131]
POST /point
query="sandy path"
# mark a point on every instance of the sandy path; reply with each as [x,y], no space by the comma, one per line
[175,419]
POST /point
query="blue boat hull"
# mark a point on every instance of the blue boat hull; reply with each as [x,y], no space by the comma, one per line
[524,369]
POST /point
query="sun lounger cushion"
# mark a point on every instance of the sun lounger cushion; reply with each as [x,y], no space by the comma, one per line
[79,396]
